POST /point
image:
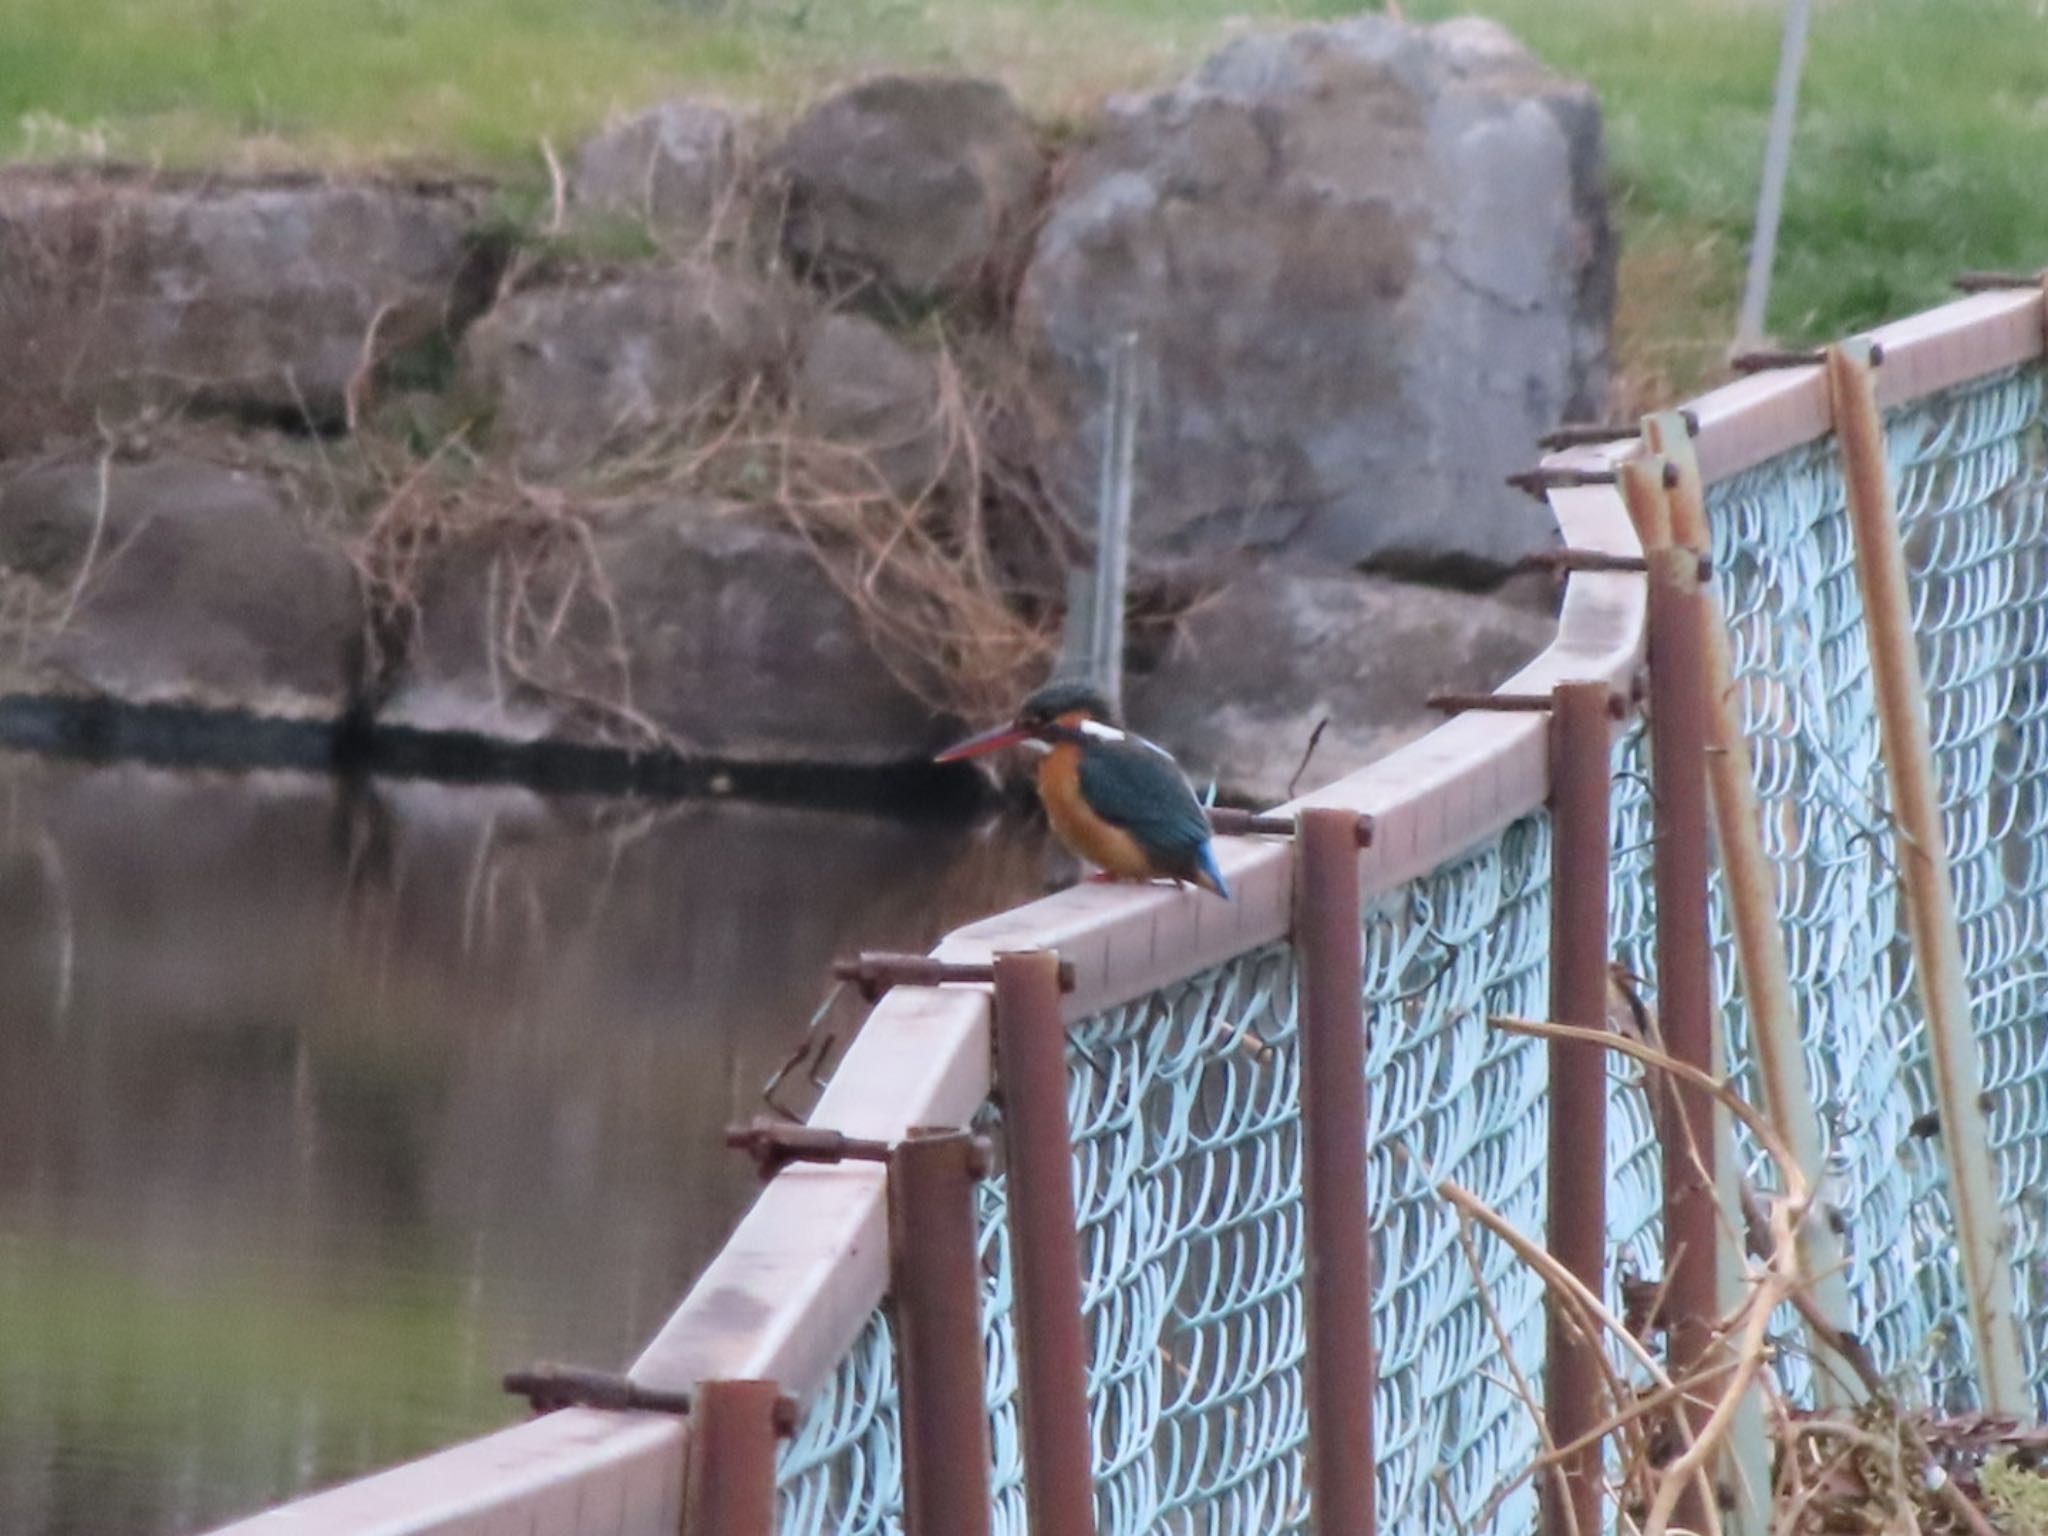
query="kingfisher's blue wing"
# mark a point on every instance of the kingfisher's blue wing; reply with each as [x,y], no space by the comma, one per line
[1134,785]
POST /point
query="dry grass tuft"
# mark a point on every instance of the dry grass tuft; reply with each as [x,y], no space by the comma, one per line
[953,577]
[1875,1468]
[947,573]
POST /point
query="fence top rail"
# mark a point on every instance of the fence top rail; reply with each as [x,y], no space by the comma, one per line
[1761,416]
[624,1469]
[790,1291]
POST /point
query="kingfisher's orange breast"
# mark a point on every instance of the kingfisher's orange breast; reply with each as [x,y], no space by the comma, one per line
[1101,843]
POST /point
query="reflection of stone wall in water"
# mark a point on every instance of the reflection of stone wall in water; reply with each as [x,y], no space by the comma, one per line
[774,451]
[323,1106]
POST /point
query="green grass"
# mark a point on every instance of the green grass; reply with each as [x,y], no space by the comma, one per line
[480,82]
[1919,152]
[1920,145]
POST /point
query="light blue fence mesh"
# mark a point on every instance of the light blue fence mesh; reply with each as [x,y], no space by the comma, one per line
[1187,1158]
[1188,1187]
[1968,467]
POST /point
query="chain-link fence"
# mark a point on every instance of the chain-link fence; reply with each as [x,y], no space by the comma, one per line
[1185,1107]
[1184,1104]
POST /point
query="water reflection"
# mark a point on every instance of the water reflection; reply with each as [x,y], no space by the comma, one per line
[320,1107]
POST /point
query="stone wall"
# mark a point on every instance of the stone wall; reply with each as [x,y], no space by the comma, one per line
[771,444]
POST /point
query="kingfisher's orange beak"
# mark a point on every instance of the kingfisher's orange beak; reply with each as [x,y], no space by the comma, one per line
[988,741]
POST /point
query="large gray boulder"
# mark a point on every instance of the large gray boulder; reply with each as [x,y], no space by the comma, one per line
[568,371]
[861,389]
[178,581]
[678,169]
[1367,264]
[712,632]
[273,298]
[923,186]
[1252,670]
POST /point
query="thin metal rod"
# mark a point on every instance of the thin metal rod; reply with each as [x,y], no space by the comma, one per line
[1766,359]
[1113,520]
[1770,202]
[1995,282]
[1045,1249]
[729,1478]
[1227,821]
[935,1277]
[1923,863]
[1766,972]
[1574,1378]
[548,1387]
[1577,434]
[1509,703]
[876,971]
[1328,930]
[1568,559]
[1685,994]
[1543,479]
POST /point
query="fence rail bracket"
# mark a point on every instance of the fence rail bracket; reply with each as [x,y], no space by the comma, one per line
[1546,478]
[1513,703]
[1993,282]
[1568,560]
[874,972]
[774,1145]
[1587,434]
[1227,822]
[1766,359]
[548,1386]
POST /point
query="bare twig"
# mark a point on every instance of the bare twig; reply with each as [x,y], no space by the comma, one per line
[87,563]
[1522,1388]
[1307,752]
[1575,1292]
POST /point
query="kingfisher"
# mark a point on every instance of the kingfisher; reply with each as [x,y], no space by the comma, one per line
[1113,798]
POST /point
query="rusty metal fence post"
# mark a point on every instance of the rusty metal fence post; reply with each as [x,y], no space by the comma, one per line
[935,1277]
[1776,1035]
[1574,1379]
[1045,1250]
[1685,993]
[729,1476]
[1328,932]
[1705,1277]
[1924,874]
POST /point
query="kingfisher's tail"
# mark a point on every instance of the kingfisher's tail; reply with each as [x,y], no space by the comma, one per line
[1208,873]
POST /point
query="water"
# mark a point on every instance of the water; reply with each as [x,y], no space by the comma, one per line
[322,1107]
